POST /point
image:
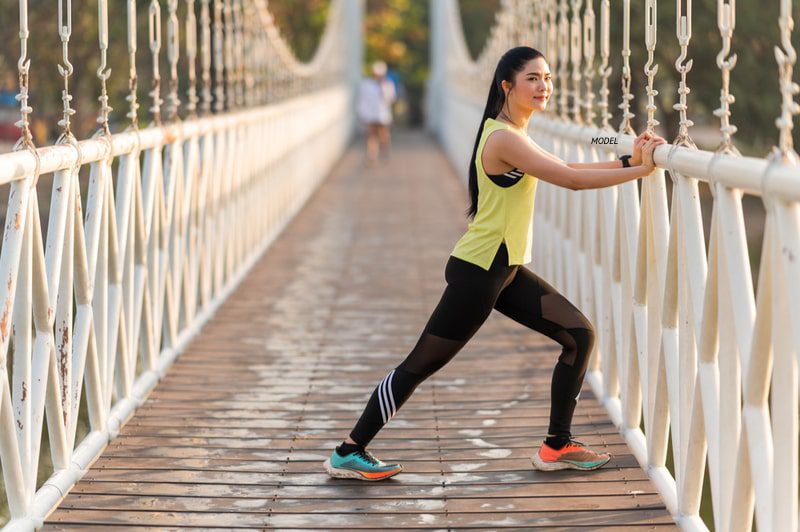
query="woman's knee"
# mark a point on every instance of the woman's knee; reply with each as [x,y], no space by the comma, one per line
[591,336]
[577,344]
[584,339]
[431,353]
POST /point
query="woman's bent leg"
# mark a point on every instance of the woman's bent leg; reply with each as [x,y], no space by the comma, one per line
[532,302]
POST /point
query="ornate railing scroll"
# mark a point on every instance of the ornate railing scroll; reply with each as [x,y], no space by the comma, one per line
[689,356]
[135,260]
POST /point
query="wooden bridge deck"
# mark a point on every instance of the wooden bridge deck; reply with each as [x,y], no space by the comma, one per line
[235,436]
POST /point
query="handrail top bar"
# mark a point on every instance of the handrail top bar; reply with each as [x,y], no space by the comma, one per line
[21,164]
[759,177]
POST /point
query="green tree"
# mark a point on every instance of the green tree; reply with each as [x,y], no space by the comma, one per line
[754,80]
[476,18]
[44,52]
[397,33]
[301,24]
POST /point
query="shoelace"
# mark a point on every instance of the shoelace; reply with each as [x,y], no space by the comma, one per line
[576,443]
[363,453]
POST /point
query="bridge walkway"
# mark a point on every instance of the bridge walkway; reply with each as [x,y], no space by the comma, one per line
[235,435]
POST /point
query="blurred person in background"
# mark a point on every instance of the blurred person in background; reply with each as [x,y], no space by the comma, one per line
[375,98]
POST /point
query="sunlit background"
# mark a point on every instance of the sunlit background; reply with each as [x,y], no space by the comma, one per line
[396,31]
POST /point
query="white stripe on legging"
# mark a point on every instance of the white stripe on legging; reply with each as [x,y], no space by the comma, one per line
[386,398]
[391,394]
[380,400]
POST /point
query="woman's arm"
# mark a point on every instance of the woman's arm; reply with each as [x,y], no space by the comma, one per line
[635,160]
[598,165]
[514,150]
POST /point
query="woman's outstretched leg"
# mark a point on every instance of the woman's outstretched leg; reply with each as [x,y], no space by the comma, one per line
[351,459]
[532,302]
[429,355]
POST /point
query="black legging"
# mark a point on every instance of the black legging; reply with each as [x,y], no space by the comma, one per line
[470,296]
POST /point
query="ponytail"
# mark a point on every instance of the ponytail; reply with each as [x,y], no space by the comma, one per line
[493,105]
[512,62]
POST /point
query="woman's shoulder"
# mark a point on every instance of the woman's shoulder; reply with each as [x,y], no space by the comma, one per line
[503,137]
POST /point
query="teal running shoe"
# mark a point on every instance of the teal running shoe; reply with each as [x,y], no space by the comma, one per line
[360,465]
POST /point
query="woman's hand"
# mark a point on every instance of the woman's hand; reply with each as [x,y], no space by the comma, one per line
[648,149]
[636,158]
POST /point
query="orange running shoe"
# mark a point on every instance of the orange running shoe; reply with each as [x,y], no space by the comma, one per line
[574,455]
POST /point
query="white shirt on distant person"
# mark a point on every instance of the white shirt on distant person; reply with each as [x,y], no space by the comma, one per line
[375,100]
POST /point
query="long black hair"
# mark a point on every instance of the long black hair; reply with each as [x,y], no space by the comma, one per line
[509,65]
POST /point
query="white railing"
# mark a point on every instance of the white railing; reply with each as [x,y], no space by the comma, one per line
[96,308]
[689,354]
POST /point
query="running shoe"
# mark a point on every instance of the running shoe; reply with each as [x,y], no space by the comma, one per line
[573,455]
[360,465]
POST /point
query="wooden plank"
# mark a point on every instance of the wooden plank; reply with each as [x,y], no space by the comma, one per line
[462,455]
[339,521]
[161,519]
[282,504]
[496,459]
[495,421]
[128,528]
[379,490]
[432,478]
[325,445]
[389,431]
[412,409]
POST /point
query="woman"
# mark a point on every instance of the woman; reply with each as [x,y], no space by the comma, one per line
[485,270]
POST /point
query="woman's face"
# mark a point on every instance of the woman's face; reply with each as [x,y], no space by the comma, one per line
[533,86]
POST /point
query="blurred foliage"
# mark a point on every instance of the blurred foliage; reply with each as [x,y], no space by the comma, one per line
[396,31]
[477,17]
[45,53]
[301,24]
[753,81]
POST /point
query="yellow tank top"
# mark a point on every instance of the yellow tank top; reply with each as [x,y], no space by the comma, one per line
[505,213]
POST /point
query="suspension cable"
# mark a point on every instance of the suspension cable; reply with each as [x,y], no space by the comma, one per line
[219,80]
[588,56]
[154,25]
[191,59]
[205,56]
[604,69]
[133,81]
[786,59]
[683,19]
[103,73]
[726,20]
[173,54]
[64,32]
[625,126]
